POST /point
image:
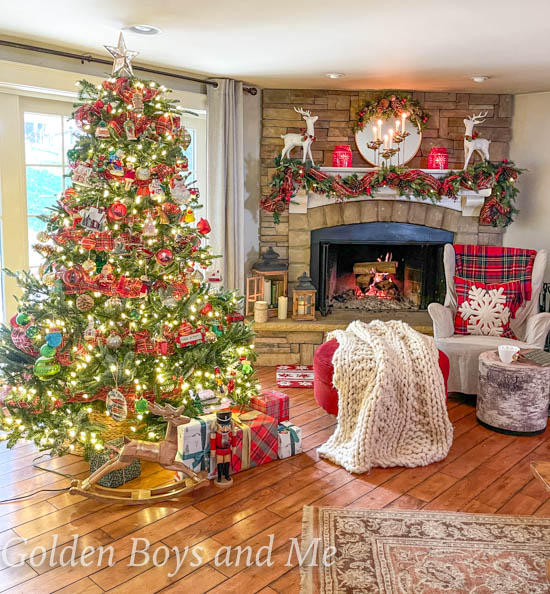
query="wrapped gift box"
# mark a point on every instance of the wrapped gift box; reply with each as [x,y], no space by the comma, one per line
[117,477]
[257,439]
[290,439]
[295,376]
[194,444]
[274,404]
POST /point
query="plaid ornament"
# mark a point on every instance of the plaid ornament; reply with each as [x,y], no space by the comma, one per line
[485,309]
[495,265]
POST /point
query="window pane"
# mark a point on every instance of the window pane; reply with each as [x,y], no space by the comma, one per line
[43,139]
[190,152]
[44,185]
[35,259]
[70,135]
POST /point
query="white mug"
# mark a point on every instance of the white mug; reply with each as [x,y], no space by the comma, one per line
[506,352]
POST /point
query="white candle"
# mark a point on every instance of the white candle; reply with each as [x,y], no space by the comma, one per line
[282,310]
[379,129]
[385,141]
[403,118]
[260,312]
[391,138]
[374,133]
[397,126]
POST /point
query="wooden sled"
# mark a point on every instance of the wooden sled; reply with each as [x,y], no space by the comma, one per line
[163,453]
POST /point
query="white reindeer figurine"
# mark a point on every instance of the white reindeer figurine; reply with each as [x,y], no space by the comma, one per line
[481,145]
[304,140]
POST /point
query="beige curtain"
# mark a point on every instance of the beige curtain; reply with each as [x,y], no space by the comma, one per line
[225,198]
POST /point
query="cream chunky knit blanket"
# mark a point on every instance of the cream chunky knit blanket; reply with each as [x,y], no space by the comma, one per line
[391,407]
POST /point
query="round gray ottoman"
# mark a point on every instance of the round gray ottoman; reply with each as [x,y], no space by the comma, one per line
[512,397]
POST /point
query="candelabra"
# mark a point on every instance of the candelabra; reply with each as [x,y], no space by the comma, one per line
[384,148]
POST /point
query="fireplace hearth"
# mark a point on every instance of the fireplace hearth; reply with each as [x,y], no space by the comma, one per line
[378,266]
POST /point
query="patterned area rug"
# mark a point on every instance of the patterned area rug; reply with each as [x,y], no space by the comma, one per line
[395,552]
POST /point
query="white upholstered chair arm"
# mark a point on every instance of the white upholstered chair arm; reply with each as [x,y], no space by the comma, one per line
[443,320]
[537,328]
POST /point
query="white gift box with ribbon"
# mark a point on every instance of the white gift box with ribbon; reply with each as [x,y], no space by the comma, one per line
[290,439]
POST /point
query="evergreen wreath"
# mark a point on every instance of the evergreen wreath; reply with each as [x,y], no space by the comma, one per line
[392,104]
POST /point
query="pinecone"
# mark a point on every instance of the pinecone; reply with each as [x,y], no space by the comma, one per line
[396,105]
[383,104]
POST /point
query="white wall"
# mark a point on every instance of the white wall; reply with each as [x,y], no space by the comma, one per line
[530,149]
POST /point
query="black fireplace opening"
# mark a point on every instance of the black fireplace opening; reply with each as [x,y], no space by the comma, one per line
[378,266]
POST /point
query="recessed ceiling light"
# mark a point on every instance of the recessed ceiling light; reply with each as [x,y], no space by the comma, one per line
[144,29]
[480,79]
[334,75]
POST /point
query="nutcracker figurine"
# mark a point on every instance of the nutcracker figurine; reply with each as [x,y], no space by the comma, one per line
[222,446]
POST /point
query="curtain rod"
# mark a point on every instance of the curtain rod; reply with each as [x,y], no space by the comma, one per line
[88,58]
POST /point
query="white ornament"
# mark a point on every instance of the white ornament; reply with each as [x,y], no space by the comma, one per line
[180,192]
[479,145]
[116,405]
[485,311]
[81,175]
[93,218]
[304,140]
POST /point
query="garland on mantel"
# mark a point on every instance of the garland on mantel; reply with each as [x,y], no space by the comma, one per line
[292,175]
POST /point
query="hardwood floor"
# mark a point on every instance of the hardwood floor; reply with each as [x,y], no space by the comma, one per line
[485,472]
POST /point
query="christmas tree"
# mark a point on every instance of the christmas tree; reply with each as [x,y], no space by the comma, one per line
[121,313]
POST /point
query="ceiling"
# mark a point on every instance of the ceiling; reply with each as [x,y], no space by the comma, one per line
[426,44]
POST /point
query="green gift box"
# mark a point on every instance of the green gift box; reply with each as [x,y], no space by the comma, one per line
[117,477]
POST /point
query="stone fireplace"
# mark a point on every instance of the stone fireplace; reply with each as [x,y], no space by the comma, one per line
[389,226]
[369,228]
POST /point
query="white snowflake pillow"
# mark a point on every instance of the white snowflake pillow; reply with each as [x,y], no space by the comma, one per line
[484,309]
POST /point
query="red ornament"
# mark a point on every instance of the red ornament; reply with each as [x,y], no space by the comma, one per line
[116,211]
[109,108]
[164,256]
[72,277]
[58,404]
[13,322]
[206,309]
[99,104]
[203,227]
[342,156]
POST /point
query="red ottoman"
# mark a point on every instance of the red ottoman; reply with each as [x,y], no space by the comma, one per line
[326,394]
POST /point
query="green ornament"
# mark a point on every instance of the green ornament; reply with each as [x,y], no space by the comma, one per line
[141,405]
[100,263]
[31,331]
[44,369]
[23,319]
[134,314]
[47,351]
[72,154]
[217,330]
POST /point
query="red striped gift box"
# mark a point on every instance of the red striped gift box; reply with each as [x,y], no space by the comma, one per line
[294,376]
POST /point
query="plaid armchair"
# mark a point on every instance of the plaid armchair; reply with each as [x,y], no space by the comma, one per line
[489,265]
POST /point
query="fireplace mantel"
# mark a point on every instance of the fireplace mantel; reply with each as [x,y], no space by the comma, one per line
[469,203]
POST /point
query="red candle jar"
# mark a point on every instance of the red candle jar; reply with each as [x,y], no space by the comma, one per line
[342,156]
[438,158]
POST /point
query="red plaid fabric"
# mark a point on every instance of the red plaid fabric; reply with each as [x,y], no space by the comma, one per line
[496,265]
[466,320]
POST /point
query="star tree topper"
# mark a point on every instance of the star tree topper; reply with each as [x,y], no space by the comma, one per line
[122,57]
